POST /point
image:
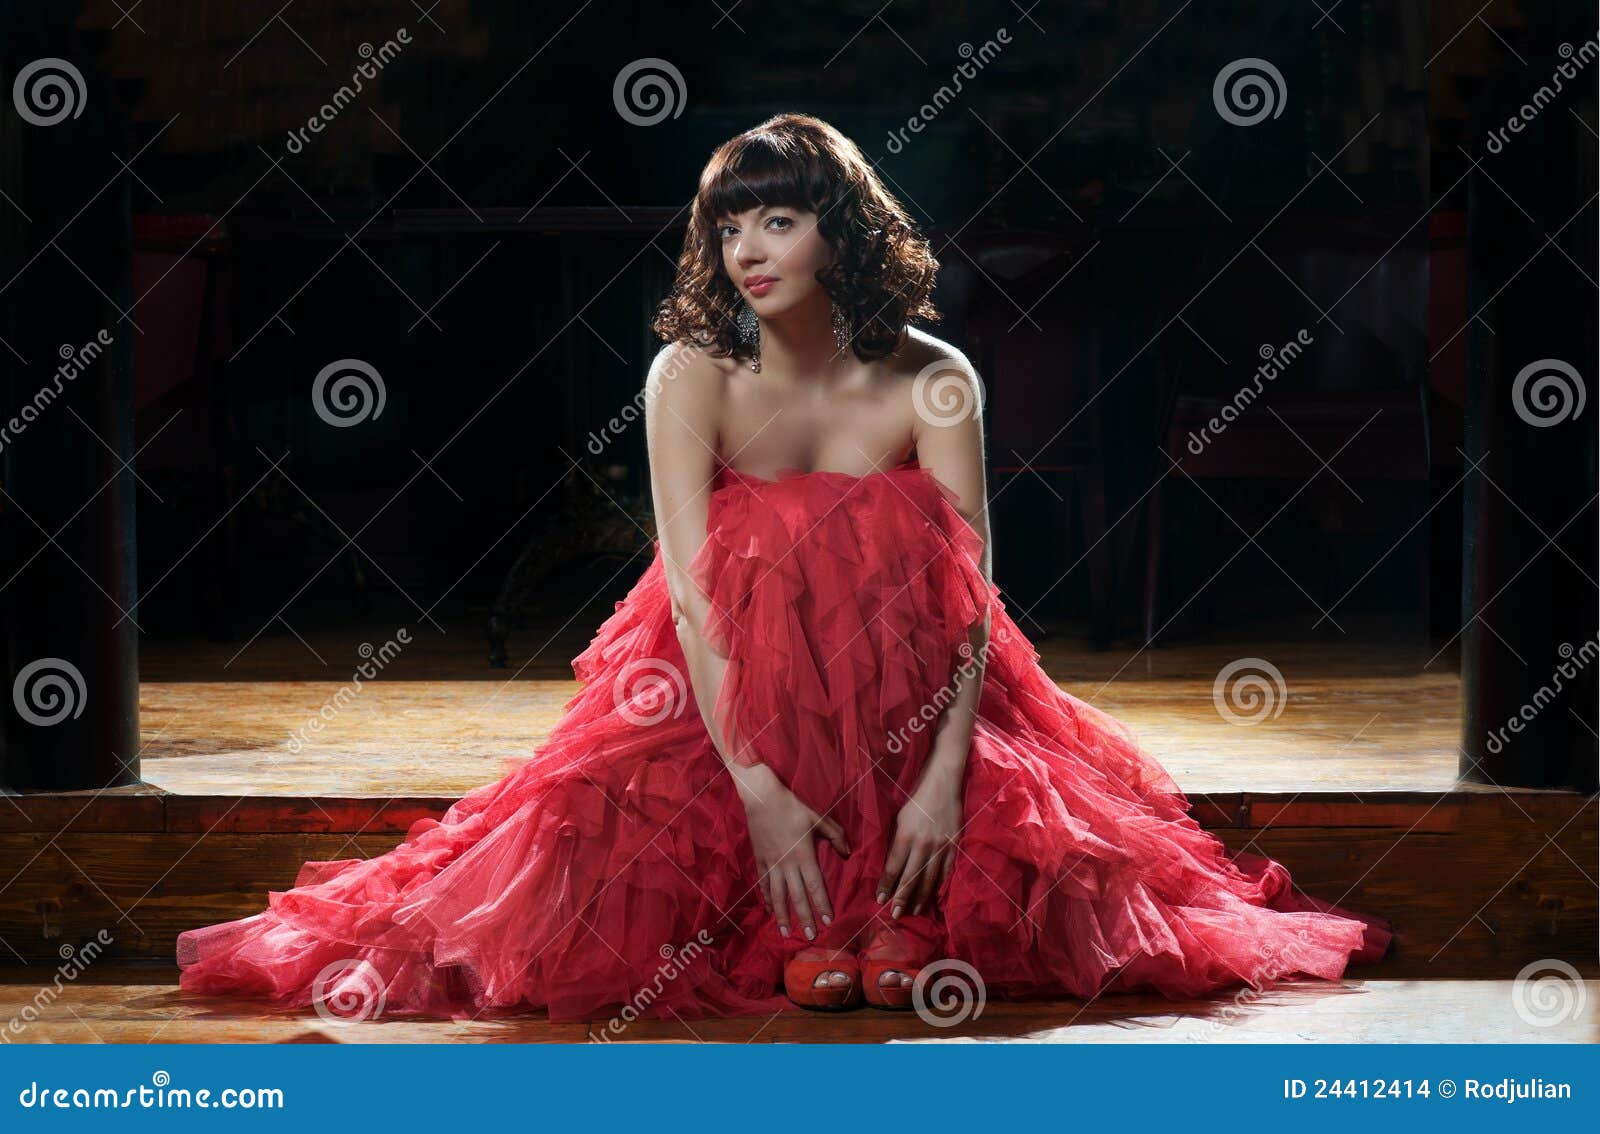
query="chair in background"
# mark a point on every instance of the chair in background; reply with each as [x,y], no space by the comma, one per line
[1358,390]
[1034,335]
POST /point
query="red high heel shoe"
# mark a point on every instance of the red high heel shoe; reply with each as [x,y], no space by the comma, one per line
[800,981]
[890,950]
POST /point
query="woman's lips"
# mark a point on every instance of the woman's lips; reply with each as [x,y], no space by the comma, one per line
[761,287]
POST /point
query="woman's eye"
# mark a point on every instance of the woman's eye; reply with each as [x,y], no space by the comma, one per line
[724,231]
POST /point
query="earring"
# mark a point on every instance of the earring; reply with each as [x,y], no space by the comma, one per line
[749,328]
[841,328]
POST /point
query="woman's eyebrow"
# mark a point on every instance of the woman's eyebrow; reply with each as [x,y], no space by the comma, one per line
[763,209]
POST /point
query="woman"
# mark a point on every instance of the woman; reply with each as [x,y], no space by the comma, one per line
[811,752]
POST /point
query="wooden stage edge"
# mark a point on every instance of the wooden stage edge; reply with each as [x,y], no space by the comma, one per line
[1479,883]
[148,808]
[1353,786]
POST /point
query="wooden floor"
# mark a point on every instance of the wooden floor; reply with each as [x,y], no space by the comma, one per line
[1353,785]
[1355,716]
[1372,1011]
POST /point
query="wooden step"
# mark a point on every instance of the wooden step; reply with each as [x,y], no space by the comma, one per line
[1479,882]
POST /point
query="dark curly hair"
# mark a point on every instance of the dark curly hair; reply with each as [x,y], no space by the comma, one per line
[882,270]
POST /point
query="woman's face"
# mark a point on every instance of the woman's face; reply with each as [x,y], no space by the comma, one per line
[772,255]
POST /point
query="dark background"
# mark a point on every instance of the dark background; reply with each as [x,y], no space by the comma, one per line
[485,228]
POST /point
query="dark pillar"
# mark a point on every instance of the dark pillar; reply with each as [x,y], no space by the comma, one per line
[1529,596]
[70,699]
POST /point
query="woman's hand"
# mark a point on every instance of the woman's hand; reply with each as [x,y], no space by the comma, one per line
[782,830]
[924,848]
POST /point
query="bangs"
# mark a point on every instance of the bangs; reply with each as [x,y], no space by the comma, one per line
[880,272]
[763,171]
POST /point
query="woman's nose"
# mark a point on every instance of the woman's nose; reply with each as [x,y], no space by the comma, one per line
[749,252]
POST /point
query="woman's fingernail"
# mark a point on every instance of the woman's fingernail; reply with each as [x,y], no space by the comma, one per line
[811,934]
[827,919]
[898,907]
[882,897]
[783,929]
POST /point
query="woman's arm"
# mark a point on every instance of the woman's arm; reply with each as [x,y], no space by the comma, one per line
[683,400]
[683,393]
[949,442]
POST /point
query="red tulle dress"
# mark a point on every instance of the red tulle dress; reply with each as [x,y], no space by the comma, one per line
[613,870]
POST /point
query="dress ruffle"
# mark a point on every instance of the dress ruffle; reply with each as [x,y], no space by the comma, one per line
[611,873]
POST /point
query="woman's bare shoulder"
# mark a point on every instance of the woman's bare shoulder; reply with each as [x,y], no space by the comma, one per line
[922,351]
[684,372]
[925,366]
[933,383]
[684,357]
